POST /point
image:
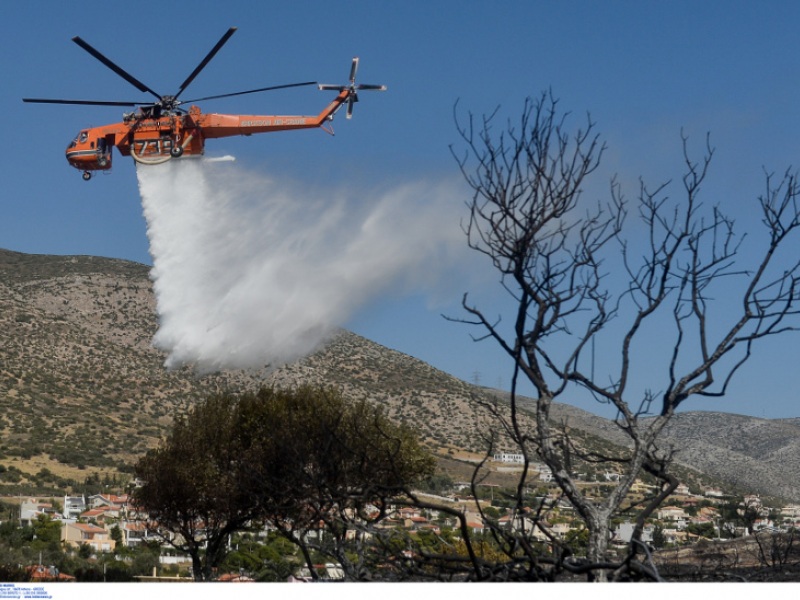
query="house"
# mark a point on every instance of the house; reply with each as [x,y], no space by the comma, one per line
[701,520]
[517,522]
[235,578]
[78,534]
[791,510]
[508,457]
[546,475]
[99,515]
[560,529]
[640,487]
[544,531]
[751,501]
[110,501]
[32,508]
[671,513]
[708,512]
[415,523]
[408,513]
[42,574]
[326,572]
[73,507]
[474,522]
[624,533]
[673,536]
[134,533]
[431,527]
[760,524]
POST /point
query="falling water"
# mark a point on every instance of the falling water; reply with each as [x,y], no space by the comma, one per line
[249,270]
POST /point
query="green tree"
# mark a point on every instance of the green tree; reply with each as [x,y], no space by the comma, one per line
[47,532]
[577,541]
[659,538]
[491,512]
[192,483]
[85,551]
[116,535]
[144,558]
[296,458]
[316,458]
[274,559]
[706,530]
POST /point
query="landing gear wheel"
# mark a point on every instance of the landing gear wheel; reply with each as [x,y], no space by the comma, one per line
[86,175]
[176,152]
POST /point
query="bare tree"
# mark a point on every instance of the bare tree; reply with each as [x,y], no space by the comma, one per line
[581,278]
[776,549]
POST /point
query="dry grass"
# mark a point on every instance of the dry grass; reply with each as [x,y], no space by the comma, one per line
[35,464]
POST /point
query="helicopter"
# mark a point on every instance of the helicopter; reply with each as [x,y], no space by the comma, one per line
[160,131]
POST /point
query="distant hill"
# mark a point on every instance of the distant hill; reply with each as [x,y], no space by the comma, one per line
[748,453]
[81,385]
[763,454]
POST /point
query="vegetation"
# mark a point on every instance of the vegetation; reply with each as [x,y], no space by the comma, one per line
[39,544]
[294,459]
[92,391]
[191,483]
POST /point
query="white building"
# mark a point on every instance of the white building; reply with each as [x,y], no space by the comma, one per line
[73,507]
[508,457]
[624,533]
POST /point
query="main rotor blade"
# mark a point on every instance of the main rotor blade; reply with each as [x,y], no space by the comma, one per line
[264,89]
[118,70]
[206,60]
[84,102]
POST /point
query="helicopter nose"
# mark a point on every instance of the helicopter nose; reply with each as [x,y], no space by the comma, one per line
[87,159]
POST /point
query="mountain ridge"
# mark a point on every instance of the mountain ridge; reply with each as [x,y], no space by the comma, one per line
[81,382]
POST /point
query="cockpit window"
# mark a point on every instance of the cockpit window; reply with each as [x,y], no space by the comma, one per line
[84,135]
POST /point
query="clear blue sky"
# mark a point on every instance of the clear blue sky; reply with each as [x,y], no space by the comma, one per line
[644,70]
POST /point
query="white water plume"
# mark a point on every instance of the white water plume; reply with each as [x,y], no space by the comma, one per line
[250,271]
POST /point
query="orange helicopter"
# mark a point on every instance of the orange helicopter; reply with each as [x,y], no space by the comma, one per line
[160,131]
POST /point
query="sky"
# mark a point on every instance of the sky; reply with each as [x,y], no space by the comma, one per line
[644,70]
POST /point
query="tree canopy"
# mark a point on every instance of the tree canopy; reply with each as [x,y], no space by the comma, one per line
[191,483]
[293,458]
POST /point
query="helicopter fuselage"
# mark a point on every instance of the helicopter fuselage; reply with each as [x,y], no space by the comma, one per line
[160,131]
[156,138]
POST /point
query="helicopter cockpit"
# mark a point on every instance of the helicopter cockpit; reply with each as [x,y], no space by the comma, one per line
[89,153]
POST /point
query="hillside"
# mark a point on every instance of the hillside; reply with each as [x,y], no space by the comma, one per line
[741,450]
[81,386]
[79,380]
[747,453]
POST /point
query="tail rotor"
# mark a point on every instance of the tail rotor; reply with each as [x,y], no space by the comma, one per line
[352,88]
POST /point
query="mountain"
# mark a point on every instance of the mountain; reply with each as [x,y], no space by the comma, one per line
[762,454]
[746,453]
[82,389]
